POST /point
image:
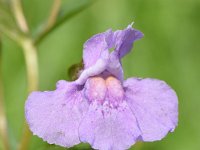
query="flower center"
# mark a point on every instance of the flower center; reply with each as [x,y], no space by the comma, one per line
[102,90]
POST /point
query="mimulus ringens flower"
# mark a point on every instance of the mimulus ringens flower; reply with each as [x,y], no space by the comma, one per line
[100,107]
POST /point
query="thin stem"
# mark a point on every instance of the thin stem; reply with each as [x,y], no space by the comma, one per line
[10,34]
[54,13]
[66,14]
[30,54]
[3,121]
[19,16]
[52,18]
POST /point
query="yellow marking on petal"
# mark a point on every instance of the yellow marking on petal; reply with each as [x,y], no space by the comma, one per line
[97,88]
[114,87]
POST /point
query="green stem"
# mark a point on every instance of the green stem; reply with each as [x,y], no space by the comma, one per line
[53,15]
[3,121]
[10,34]
[30,54]
[51,20]
[19,16]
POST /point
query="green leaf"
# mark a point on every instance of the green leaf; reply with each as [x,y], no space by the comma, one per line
[0,48]
[14,81]
[68,10]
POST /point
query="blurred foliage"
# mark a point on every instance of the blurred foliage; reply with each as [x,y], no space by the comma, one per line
[169,51]
[8,25]
[68,9]
[6,17]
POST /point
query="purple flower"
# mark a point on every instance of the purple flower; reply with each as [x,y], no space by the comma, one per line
[100,107]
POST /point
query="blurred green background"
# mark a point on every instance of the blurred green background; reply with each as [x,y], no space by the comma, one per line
[170,51]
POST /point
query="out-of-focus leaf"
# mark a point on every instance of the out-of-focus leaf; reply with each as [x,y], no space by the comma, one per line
[0,47]
[14,81]
[1,138]
[68,9]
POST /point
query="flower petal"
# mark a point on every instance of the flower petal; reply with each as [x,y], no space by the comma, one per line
[55,115]
[95,69]
[109,129]
[155,106]
[124,40]
[94,47]
[96,52]
[115,67]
